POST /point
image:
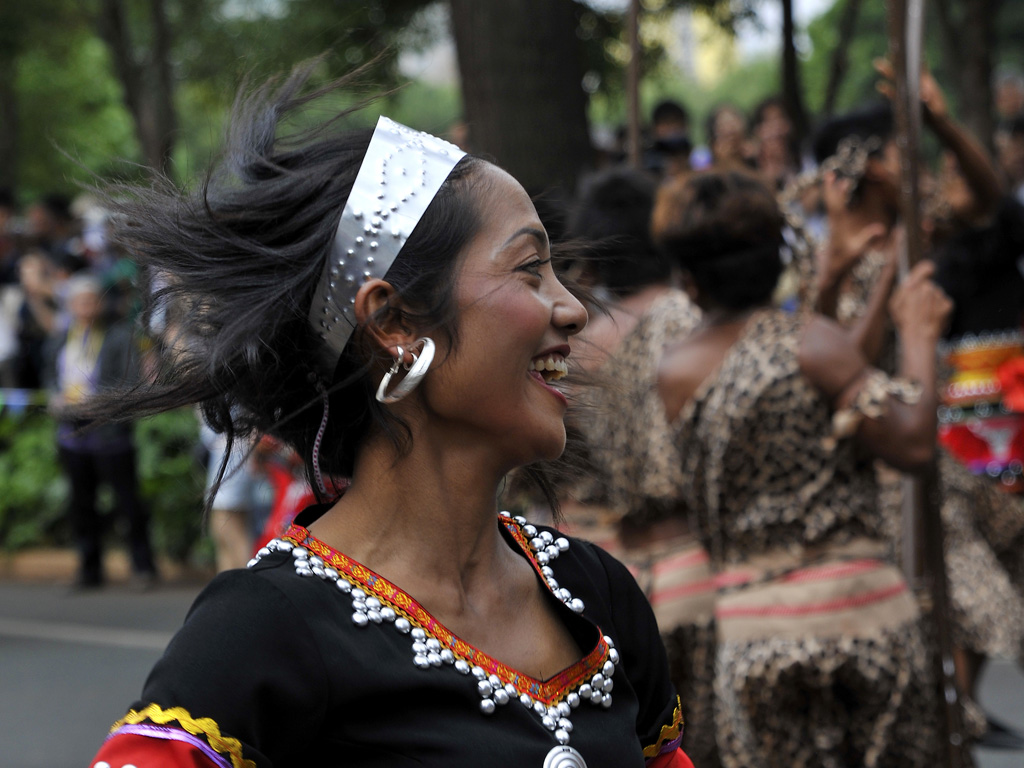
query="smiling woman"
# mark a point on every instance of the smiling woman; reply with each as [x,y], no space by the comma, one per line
[386,305]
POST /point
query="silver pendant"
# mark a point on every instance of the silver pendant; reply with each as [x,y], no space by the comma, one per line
[564,757]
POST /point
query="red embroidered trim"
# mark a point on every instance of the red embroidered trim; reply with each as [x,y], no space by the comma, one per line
[549,691]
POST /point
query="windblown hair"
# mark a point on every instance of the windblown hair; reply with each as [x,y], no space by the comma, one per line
[725,230]
[614,214]
[229,272]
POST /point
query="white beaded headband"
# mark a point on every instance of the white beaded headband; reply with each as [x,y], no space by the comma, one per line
[402,171]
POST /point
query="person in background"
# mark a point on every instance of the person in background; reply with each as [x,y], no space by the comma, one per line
[95,355]
[669,152]
[777,157]
[726,134]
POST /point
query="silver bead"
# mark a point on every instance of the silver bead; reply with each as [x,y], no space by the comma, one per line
[596,698]
[547,536]
[549,722]
[479,673]
[529,531]
[487,706]
[387,613]
[344,586]
[373,603]
[484,688]
[315,562]
[433,644]
[526,701]
[264,551]
[547,571]
[402,625]
[505,513]
[606,702]
[537,543]
[319,572]
[562,737]
[613,655]
[520,519]
[565,595]
[608,669]
[447,656]
[597,681]
[540,709]
[494,680]
[564,724]
[501,697]
[585,691]
[562,543]
[252,562]
[419,634]
[359,605]
[299,553]
[552,551]
[573,700]
[434,659]
[358,594]
[608,685]
[360,620]
[576,605]
[421,662]
[284,546]
[609,641]
[510,689]
[564,709]
[331,574]
[305,572]
[374,616]
[542,558]
[462,666]
[420,649]
[553,584]
[553,713]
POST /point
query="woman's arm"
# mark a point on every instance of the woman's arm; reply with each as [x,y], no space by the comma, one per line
[900,432]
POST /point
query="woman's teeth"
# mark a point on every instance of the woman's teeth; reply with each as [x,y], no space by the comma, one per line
[552,367]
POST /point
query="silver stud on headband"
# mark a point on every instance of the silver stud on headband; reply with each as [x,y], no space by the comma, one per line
[395,151]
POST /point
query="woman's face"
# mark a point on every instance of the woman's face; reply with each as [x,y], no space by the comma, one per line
[515,323]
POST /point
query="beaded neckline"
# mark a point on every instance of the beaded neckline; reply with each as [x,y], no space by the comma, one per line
[548,691]
[375,600]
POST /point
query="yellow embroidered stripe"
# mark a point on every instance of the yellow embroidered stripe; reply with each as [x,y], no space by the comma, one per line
[203,726]
[668,732]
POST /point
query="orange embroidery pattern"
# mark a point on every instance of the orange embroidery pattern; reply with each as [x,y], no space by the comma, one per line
[549,692]
[669,733]
[204,726]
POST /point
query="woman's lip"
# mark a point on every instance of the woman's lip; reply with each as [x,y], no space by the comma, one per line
[535,375]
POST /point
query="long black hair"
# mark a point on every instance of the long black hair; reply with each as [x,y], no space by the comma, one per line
[228,273]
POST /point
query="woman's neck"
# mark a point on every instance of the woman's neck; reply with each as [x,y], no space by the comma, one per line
[426,519]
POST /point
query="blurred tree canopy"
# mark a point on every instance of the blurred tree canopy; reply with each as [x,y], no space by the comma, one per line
[88,84]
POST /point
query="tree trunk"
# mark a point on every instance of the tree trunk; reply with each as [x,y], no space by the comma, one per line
[522,72]
[840,56]
[792,92]
[146,84]
[977,40]
[8,126]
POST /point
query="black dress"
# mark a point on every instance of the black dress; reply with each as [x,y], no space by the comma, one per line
[309,658]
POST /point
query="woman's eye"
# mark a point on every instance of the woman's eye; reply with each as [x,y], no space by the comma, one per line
[533,267]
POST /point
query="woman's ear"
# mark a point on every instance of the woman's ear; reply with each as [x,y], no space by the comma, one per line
[378,309]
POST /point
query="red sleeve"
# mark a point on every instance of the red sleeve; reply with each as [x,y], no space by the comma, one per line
[676,759]
[133,749]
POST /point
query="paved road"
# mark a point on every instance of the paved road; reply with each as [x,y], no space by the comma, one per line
[70,665]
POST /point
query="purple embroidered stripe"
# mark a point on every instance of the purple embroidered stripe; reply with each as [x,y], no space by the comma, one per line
[174,734]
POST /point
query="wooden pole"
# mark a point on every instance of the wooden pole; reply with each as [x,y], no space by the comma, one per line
[633,83]
[924,555]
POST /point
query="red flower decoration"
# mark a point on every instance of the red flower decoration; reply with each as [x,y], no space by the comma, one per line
[1011,378]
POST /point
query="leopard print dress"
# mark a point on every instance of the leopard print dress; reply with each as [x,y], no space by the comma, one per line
[821,660]
[983,527]
[635,482]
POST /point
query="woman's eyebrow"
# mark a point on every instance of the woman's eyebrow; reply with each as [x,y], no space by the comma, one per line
[538,234]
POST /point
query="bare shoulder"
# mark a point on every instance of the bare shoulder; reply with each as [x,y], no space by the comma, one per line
[828,355]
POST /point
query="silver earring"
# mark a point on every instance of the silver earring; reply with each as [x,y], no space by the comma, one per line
[416,371]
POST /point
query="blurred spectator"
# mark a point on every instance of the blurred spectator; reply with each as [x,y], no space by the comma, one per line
[778,156]
[95,354]
[232,507]
[669,153]
[51,226]
[726,130]
[1008,96]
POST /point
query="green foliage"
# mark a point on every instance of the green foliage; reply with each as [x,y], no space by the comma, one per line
[33,492]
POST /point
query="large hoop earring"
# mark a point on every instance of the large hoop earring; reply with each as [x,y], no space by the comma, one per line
[416,371]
